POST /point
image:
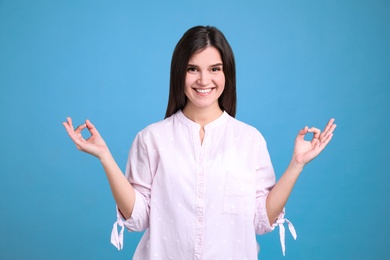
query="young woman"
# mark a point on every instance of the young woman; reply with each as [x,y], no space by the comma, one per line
[200,183]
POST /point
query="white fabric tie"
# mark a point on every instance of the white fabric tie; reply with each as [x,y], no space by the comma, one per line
[282,232]
[117,238]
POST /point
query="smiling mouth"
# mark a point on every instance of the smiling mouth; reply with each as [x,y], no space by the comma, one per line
[203,90]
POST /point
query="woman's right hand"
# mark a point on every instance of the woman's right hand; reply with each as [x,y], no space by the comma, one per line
[94,145]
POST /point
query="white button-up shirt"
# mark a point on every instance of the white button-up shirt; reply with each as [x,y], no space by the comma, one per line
[198,200]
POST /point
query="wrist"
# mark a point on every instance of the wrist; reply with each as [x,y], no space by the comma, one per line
[105,156]
[296,166]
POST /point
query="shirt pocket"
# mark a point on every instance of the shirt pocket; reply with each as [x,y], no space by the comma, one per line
[239,193]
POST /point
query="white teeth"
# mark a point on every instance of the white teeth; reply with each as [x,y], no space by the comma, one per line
[201,90]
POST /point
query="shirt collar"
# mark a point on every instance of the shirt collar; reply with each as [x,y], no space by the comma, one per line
[214,124]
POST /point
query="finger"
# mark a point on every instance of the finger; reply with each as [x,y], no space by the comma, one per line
[315,131]
[69,122]
[302,133]
[304,130]
[329,125]
[69,119]
[325,141]
[80,128]
[75,138]
[332,128]
[328,129]
[75,135]
[68,125]
[92,129]
[327,135]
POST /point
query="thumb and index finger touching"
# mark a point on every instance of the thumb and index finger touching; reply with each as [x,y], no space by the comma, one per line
[91,128]
[69,126]
[75,134]
[317,134]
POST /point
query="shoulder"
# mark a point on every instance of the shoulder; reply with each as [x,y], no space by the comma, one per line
[244,129]
[155,127]
[158,128]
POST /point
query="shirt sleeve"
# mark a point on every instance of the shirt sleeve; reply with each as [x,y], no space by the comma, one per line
[265,180]
[140,176]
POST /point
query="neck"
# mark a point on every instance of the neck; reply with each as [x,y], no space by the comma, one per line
[202,116]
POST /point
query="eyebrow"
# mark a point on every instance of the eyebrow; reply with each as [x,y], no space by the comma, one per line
[214,65]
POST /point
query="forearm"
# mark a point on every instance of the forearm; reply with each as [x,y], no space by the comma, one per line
[278,196]
[121,188]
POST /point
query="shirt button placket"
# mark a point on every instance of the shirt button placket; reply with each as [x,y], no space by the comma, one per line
[200,194]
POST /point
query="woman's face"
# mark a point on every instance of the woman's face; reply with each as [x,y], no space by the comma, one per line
[205,80]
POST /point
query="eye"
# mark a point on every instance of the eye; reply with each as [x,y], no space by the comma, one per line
[191,69]
[216,69]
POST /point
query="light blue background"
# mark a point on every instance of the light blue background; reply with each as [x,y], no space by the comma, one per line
[298,63]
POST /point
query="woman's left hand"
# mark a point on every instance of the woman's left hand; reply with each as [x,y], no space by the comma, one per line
[305,151]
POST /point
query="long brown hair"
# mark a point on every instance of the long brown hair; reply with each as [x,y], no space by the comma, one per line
[193,41]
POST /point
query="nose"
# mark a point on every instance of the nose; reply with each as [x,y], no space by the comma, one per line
[204,78]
